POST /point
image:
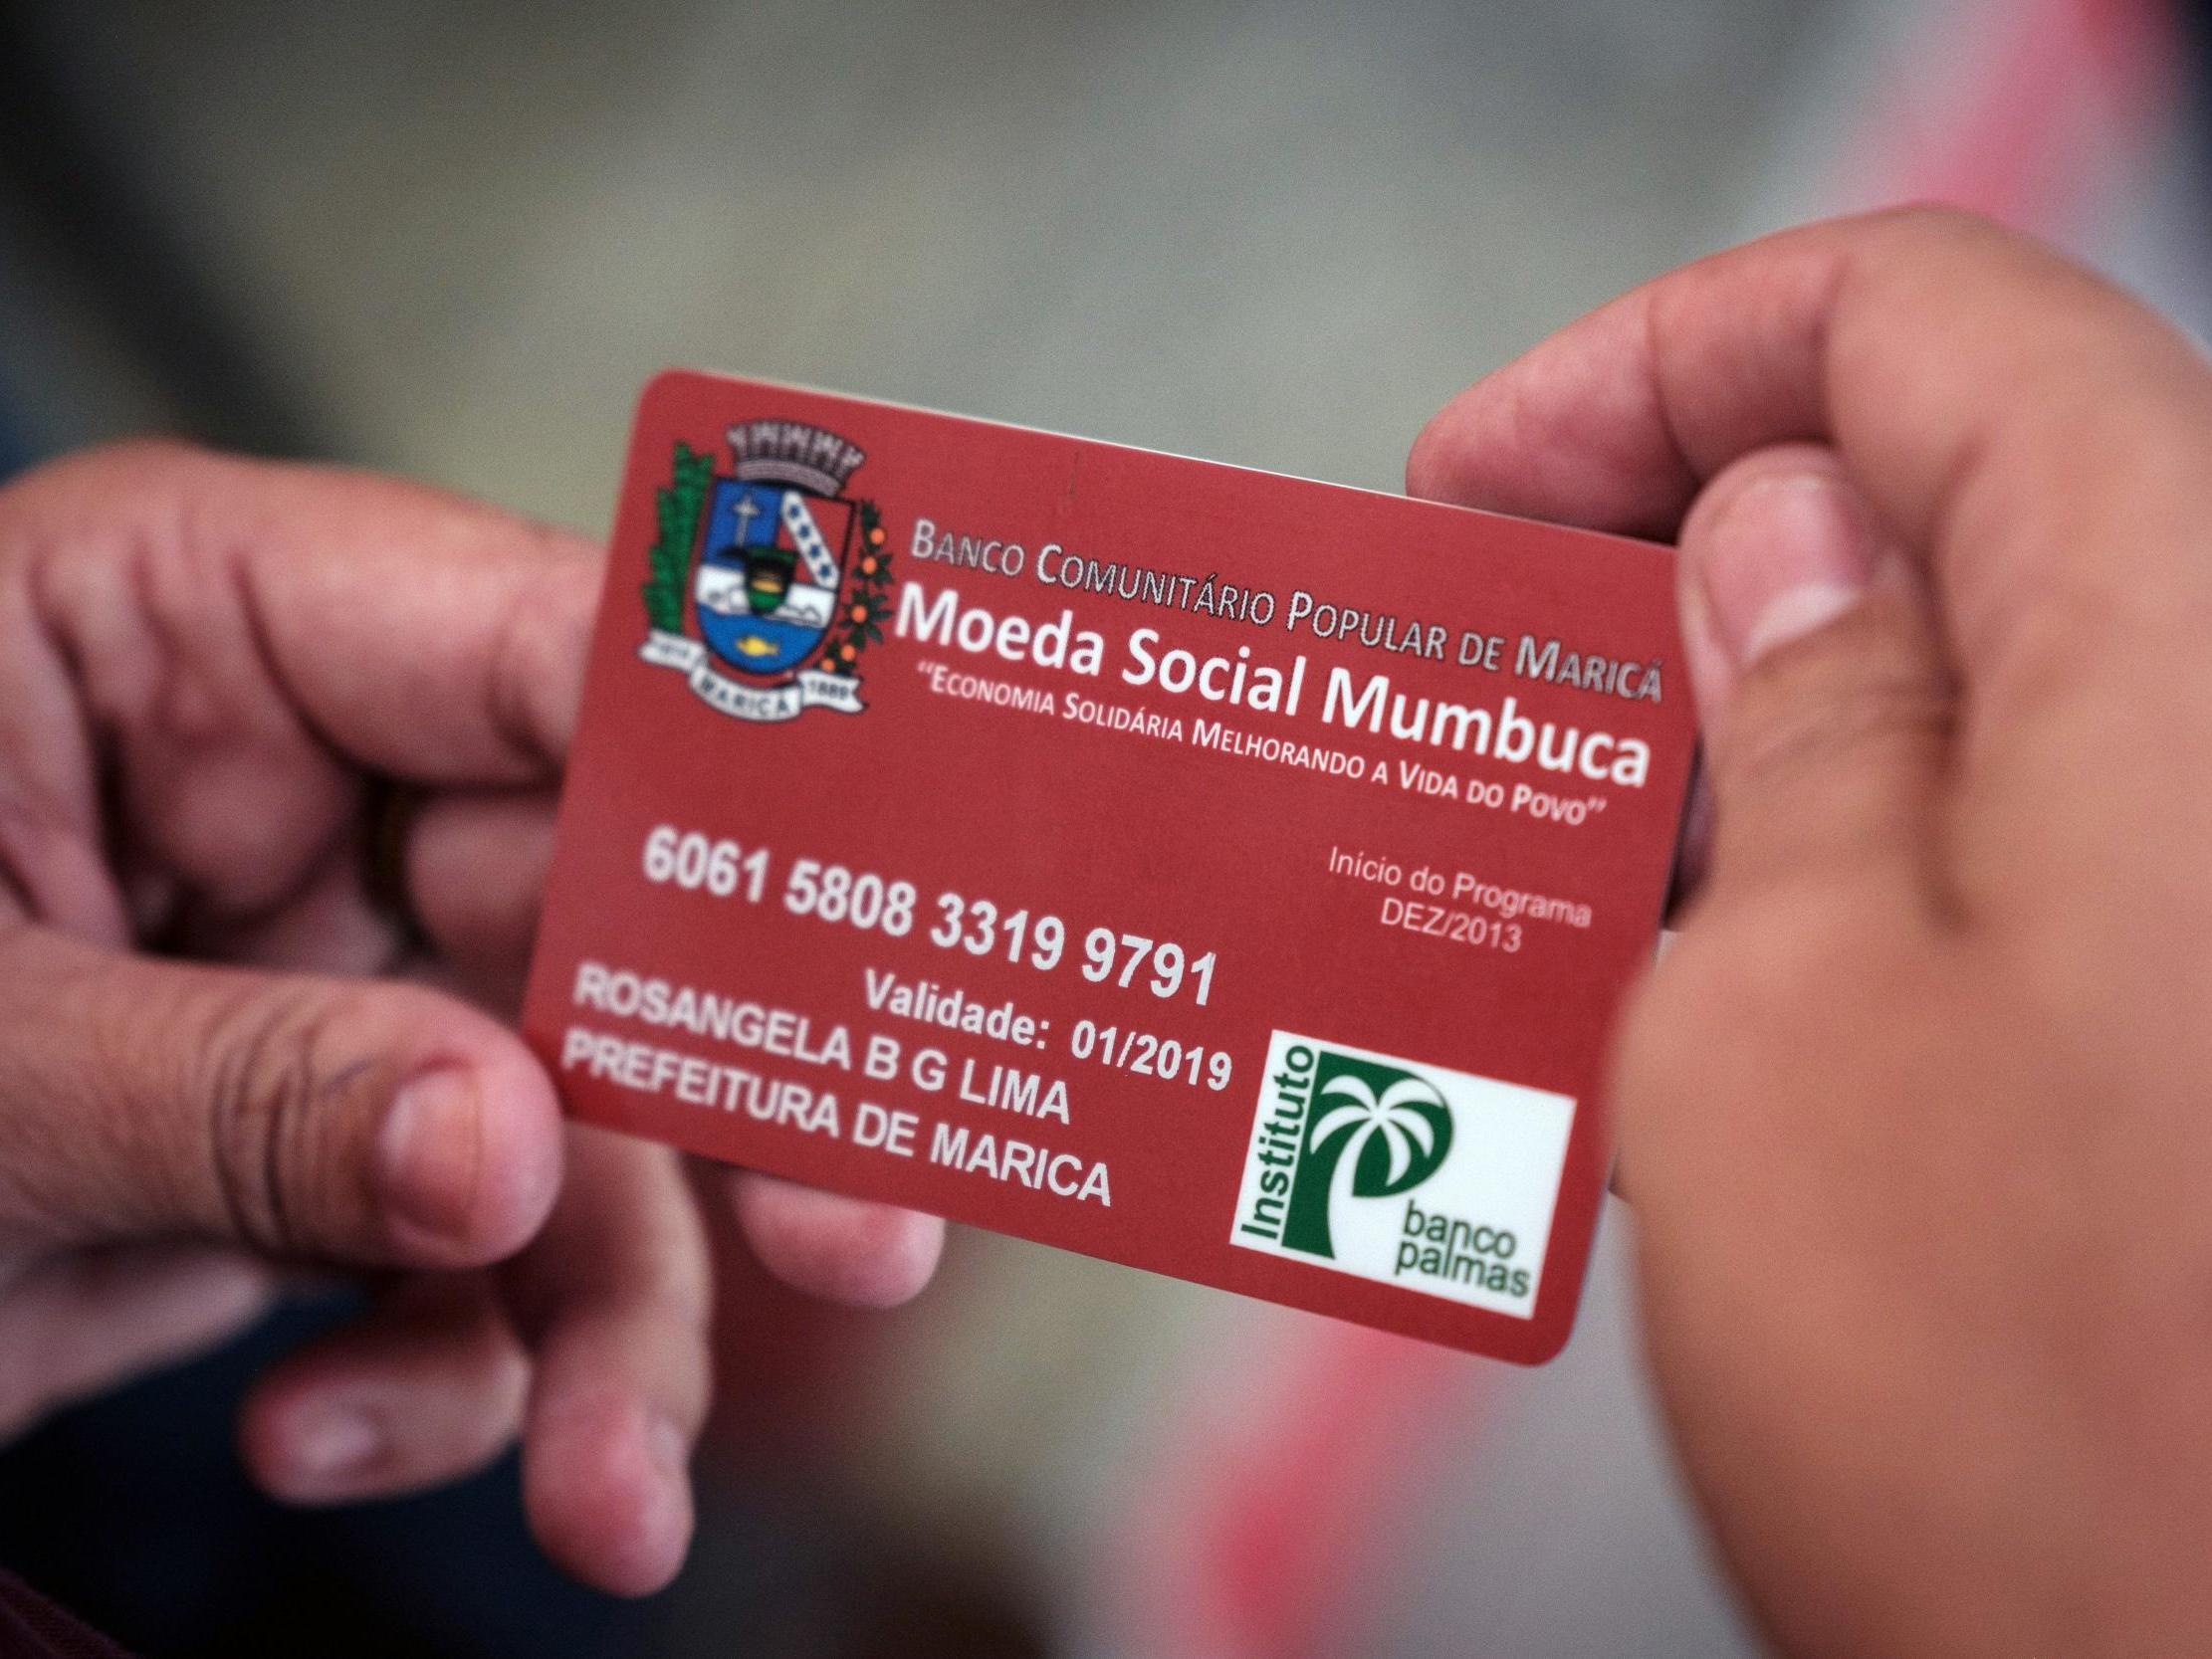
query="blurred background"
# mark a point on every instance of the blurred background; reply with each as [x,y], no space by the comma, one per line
[453,240]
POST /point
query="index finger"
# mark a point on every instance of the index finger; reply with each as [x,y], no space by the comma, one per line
[417,633]
[2039,440]
[2034,433]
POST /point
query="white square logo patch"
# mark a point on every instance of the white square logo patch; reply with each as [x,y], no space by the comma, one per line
[1401,1172]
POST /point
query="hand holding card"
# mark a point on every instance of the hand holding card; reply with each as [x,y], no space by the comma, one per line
[1224,874]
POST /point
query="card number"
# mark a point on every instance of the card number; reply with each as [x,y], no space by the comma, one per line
[696,864]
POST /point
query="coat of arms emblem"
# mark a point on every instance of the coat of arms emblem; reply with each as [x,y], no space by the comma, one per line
[784,579]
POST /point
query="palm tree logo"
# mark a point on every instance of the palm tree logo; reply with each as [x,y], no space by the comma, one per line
[1377,1131]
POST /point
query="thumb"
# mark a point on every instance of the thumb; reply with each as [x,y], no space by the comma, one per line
[1819,674]
[360,1122]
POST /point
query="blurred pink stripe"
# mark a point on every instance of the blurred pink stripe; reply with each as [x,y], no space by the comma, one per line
[2018,108]
[1270,1507]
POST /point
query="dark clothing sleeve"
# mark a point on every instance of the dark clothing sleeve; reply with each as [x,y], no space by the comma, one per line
[32,1627]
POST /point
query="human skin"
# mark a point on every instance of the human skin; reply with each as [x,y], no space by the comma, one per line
[222,1063]
[1913,1118]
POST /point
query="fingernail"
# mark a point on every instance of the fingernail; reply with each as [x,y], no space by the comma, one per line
[1787,556]
[429,1151]
[670,1448]
[330,1445]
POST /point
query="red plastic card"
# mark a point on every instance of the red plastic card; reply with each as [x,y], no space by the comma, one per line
[1226,873]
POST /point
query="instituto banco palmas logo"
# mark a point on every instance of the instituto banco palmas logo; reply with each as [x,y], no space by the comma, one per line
[1413,1175]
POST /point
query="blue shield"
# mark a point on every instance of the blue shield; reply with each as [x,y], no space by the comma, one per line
[769,577]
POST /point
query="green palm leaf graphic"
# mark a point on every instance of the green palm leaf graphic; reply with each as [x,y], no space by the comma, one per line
[1397,1138]
[1377,1131]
